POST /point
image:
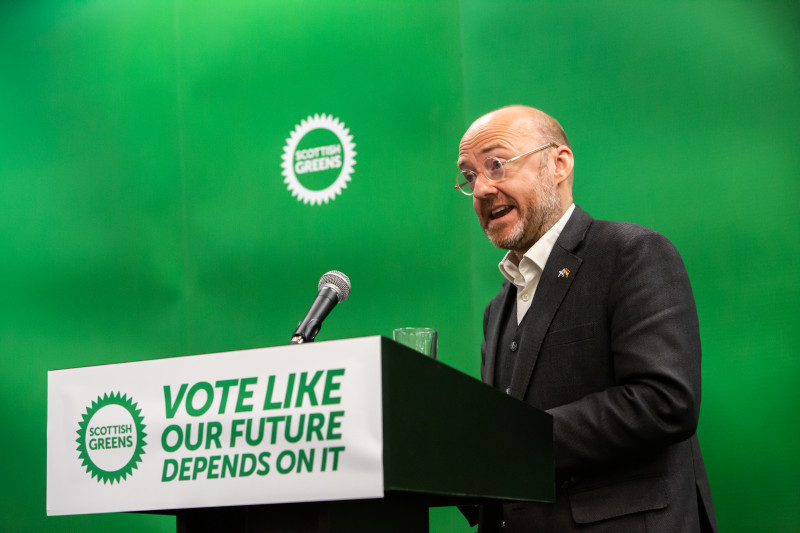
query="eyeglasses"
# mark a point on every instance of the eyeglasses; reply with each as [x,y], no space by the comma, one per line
[493,170]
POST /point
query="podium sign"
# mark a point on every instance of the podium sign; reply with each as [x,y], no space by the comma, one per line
[273,425]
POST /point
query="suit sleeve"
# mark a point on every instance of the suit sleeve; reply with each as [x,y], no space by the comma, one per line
[486,314]
[655,355]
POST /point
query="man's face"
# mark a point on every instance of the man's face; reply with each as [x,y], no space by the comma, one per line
[516,211]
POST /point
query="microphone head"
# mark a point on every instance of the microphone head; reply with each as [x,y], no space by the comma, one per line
[336,281]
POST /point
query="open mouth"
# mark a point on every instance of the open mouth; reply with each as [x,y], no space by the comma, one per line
[500,212]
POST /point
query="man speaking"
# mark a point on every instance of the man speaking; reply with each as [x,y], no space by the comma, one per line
[597,325]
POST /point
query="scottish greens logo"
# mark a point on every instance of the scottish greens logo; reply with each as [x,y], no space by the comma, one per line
[111,437]
[318,159]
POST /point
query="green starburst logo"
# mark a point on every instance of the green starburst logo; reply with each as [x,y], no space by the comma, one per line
[111,437]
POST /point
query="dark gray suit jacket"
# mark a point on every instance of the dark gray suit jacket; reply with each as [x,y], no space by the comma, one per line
[612,351]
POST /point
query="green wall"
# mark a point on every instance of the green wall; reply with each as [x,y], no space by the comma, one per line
[143,212]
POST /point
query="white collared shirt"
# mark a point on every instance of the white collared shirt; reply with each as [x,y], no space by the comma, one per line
[526,276]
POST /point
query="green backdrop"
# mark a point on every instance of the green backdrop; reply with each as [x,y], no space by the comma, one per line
[143,212]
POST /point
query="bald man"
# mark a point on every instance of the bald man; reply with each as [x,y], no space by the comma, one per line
[597,325]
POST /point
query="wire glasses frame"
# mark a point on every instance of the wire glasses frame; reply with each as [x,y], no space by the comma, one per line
[493,170]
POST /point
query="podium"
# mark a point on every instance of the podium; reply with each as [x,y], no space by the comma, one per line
[440,437]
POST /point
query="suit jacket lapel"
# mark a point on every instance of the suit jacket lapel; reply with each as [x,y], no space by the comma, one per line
[550,292]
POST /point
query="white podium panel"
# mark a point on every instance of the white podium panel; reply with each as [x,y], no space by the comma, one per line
[272,425]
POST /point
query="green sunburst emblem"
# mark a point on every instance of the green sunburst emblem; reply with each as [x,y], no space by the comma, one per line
[111,437]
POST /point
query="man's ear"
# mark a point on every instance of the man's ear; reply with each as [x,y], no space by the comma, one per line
[564,164]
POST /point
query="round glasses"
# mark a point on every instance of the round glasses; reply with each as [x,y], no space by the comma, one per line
[494,169]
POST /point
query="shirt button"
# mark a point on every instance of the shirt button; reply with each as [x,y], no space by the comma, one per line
[526,297]
[514,346]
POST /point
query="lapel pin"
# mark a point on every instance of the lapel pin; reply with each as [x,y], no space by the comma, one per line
[563,273]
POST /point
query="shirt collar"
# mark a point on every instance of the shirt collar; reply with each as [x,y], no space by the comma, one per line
[536,256]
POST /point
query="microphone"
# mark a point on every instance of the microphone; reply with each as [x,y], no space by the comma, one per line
[334,287]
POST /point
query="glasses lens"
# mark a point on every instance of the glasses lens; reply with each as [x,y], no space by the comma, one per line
[465,181]
[494,168]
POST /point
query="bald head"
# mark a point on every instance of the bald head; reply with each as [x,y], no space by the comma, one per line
[524,119]
[522,127]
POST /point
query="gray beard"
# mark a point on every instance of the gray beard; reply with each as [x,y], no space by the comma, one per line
[534,220]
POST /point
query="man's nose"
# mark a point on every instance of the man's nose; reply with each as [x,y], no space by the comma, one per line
[483,186]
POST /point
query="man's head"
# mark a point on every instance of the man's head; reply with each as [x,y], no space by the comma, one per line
[535,189]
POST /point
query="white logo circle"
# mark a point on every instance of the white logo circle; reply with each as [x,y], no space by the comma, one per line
[112,437]
[318,158]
